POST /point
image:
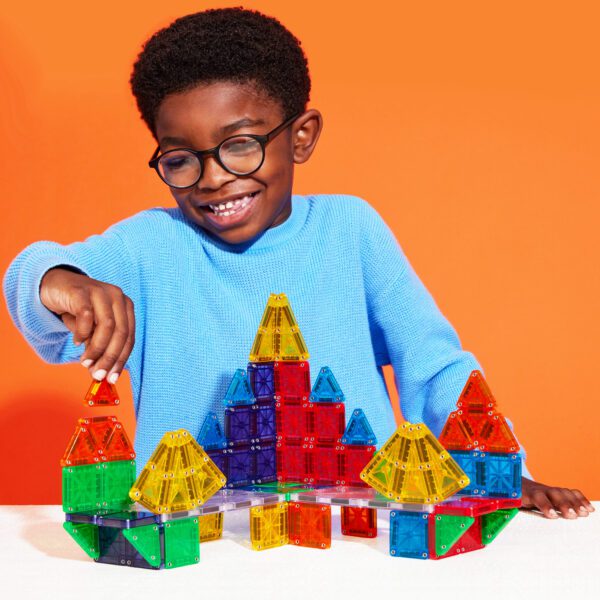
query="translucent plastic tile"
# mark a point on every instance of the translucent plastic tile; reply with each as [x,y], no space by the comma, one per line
[239,392]
[100,486]
[101,393]
[284,489]
[469,541]
[115,549]
[269,526]
[226,500]
[503,475]
[240,425]
[219,457]
[97,439]
[470,506]
[89,517]
[291,462]
[309,525]
[409,534]
[355,496]
[291,422]
[490,474]
[494,523]
[210,527]
[352,460]
[358,431]
[326,388]
[261,380]
[278,337]
[241,466]
[127,519]
[266,463]
[182,544]
[265,423]
[291,378]
[448,530]
[413,467]
[146,540]
[477,424]
[325,422]
[211,435]
[359,521]
[179,475]
[324,465]
[86,536]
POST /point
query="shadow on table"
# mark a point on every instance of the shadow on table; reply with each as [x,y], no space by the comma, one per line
[47,536]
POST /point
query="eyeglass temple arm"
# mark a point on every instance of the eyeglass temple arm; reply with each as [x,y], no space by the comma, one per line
[156,153]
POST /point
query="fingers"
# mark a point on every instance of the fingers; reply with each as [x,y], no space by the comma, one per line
[539,499]
[565,501]
[111,335]
[583,501]
[555,501]
[116,369]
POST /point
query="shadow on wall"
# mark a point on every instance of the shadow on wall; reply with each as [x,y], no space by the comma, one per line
[35,428]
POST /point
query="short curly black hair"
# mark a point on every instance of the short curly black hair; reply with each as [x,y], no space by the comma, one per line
[222,44]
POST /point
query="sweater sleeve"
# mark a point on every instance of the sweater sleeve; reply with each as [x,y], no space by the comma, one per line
[103,257]
[410,333]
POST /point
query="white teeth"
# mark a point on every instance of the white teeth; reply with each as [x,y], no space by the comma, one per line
[231,207]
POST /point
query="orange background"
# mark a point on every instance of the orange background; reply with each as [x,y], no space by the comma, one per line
[473,130]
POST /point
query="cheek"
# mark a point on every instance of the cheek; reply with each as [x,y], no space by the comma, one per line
[180,196]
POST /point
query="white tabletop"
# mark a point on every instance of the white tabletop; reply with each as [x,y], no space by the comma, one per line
[532,558]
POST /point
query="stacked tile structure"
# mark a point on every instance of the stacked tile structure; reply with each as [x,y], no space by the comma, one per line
[414,467]
[99,486]
[279,429]
[288,447]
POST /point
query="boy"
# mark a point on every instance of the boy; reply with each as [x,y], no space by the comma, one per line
[175,295]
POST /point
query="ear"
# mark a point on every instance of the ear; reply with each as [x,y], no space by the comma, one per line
[305,134]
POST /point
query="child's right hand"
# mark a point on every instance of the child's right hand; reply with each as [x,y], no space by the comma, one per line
[97,313]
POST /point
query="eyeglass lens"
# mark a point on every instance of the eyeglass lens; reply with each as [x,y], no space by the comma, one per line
[239,155]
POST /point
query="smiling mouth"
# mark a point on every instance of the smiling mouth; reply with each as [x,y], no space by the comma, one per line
[227,209]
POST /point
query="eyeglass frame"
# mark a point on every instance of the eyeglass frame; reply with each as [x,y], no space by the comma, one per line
[263,140]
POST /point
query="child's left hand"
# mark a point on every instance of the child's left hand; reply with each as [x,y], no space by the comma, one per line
[548,499]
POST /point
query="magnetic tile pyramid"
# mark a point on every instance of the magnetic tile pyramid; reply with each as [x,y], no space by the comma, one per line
[179,476]
[413,467]
[477,424]
[481,441]
[97,439]
[278,336]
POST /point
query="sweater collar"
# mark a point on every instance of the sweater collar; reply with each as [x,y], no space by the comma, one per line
[271,237]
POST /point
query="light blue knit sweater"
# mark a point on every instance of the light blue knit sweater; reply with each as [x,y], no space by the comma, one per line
[198,303]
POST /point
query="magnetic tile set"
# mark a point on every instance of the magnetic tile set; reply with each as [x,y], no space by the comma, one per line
[287,455]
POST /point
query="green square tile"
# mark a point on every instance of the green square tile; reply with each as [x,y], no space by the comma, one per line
[182,546]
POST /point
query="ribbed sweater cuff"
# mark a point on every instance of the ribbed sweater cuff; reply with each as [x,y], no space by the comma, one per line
[43,319]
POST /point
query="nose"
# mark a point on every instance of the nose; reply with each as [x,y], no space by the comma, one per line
[214,175]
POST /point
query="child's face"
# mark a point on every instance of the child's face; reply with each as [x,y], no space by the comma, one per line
[196,119]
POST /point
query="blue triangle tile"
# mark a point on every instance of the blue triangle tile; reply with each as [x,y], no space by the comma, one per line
[239,392]
[211,434]
[326,388]
[358,431]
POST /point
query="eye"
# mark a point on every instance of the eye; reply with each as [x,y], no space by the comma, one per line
[176,162]
[241,145]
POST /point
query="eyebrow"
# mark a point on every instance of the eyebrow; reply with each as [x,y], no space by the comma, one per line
[244,122]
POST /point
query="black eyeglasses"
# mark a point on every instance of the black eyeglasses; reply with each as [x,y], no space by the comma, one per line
[238,154]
